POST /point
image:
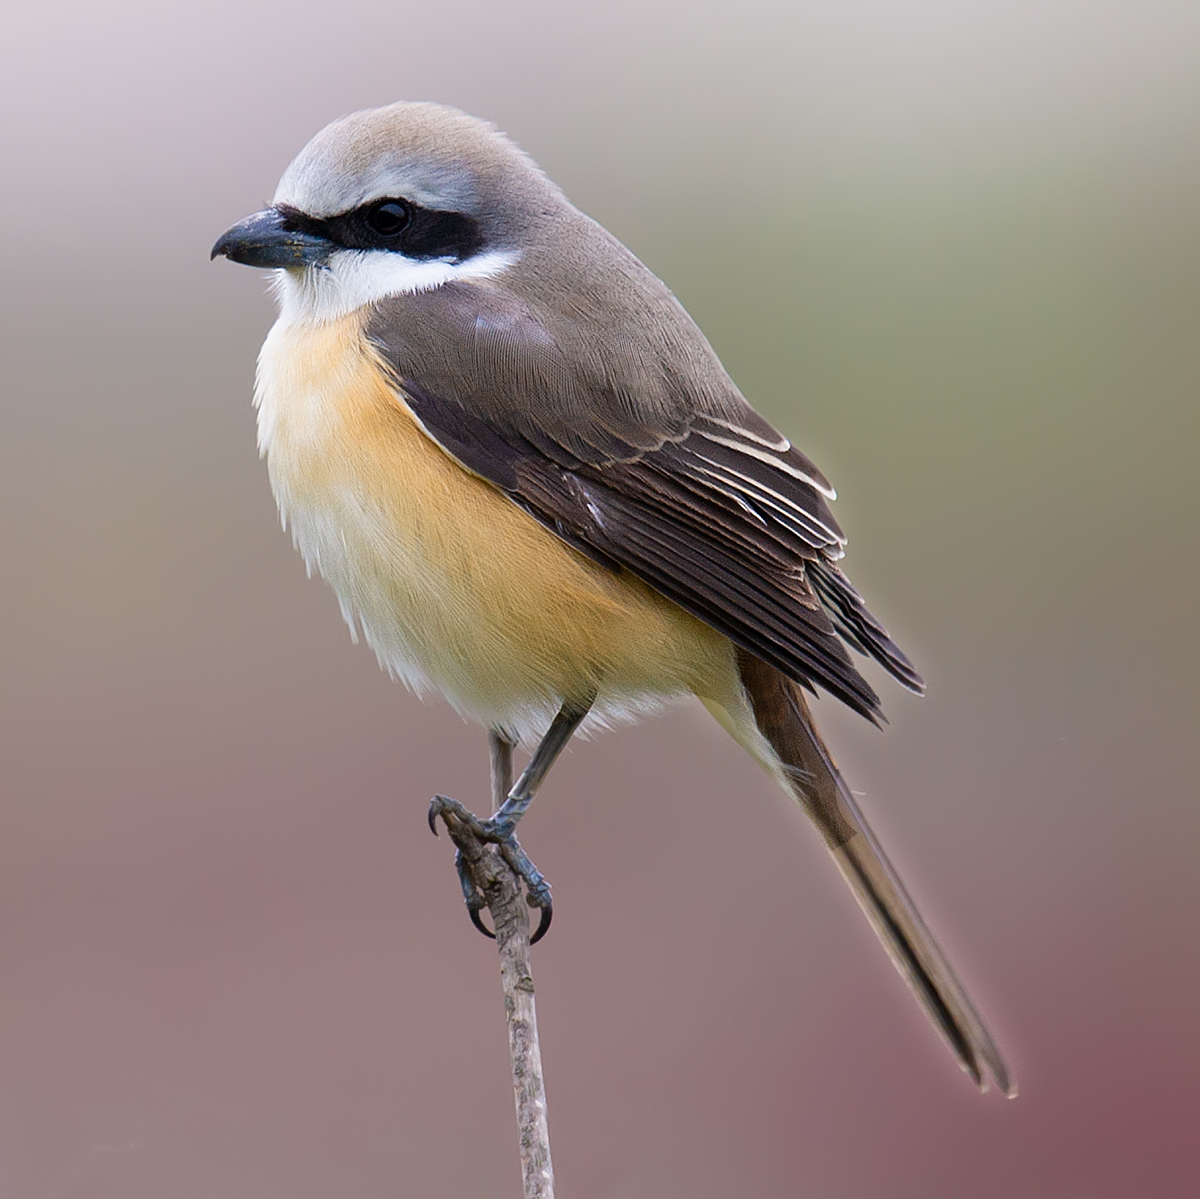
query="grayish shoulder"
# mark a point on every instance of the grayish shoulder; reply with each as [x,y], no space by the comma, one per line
[589,350]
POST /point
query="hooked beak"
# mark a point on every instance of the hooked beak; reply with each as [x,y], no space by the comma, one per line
[265,239]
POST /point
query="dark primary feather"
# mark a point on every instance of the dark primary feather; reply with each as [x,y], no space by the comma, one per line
[854,622]
[615,425]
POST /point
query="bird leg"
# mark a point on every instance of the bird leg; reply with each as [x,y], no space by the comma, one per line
[500,828]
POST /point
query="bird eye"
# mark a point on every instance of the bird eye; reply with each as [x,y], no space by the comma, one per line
[388,217]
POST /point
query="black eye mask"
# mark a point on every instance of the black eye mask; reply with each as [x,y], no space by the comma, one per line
[396,225]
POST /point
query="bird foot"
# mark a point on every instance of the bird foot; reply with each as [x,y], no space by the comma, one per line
[466,828]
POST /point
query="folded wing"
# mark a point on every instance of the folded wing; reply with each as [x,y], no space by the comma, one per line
[636,449]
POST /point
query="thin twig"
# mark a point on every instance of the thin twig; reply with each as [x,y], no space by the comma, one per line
[510,918]
[501,750]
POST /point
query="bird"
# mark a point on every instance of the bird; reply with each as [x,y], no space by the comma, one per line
[535,489]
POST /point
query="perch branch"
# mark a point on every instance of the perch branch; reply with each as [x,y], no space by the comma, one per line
[510,918]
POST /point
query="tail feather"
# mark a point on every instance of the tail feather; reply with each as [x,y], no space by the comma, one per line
[783,719]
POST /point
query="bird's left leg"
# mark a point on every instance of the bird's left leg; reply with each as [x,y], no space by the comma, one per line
[500,828]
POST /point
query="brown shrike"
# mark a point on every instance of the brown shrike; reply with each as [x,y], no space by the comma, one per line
[534,488]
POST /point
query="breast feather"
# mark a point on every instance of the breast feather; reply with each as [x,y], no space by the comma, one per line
[453,586]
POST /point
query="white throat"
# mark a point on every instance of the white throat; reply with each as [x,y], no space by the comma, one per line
[353,279]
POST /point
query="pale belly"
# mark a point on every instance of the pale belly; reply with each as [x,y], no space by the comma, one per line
[452,585]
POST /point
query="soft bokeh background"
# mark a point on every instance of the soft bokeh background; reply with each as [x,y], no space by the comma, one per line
[953,249]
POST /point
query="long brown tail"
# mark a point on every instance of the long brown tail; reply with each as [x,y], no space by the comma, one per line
[784,720]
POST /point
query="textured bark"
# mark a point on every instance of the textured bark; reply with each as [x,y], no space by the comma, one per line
[510,918]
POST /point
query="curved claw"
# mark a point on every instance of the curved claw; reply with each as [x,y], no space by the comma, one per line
[477,921]
[435,807]
[499,833]
[543,924]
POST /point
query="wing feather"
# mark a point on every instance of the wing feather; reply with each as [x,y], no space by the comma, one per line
[690,490]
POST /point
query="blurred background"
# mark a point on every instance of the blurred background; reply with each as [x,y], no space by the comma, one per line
[954,251]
